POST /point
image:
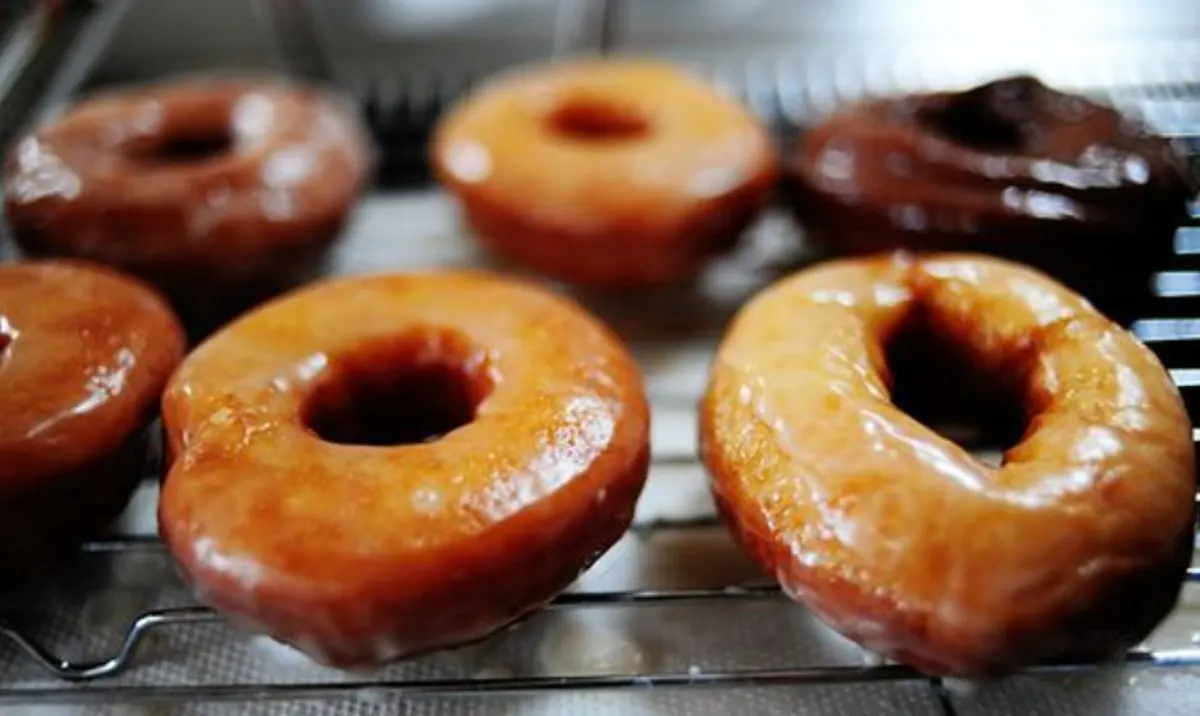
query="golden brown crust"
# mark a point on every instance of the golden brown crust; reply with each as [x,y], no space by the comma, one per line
[1076,547]
[683,174]
[359,554]
[276,170]
[86,353]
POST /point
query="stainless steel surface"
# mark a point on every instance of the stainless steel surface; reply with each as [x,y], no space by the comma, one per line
[674,608]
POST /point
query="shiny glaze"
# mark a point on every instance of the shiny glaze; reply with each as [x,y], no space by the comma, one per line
[84,356]
[900,539]
[645,209]
[358,554]
[98,183]
[1011,167]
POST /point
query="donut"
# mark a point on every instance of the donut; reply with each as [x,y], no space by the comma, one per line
[1075,547]
[374,467]
[220,192]
[605,173]
[84,356]
[1011,168]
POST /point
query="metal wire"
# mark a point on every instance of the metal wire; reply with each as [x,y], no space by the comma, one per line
[86,49]
[823,675]
[740,678]
[296,39]
[20,42]
[141,626]
[578,27]
[118,662]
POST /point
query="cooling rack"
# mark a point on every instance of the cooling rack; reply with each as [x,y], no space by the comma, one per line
[38,664]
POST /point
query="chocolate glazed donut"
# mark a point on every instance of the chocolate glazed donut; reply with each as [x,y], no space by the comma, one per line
[1011,168]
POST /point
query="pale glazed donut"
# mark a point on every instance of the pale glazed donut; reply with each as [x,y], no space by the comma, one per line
[84,356]
[218,191]
[306,499]
[610,173]
[901,540]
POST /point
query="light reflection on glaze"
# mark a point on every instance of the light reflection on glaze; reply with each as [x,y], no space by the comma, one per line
[253,115]
[1096,443]
[1131,396]
[305,371]
[938,458]
[588,425]
[836,163]
[239,567]
[277,204]
[469,161]
[1046,307]
[106,383]
[337,549]
[878,524]
[147,118]
[80,372]
[289,166]
[716,182]
[41,174]
[909,217]
[1137,170]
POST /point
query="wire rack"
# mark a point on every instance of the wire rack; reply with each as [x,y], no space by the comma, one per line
[400,111]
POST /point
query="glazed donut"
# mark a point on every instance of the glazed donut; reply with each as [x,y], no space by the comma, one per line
[218,191]
[609,173]
[1011,168]
[374,467]
[1075,547]
[84,356]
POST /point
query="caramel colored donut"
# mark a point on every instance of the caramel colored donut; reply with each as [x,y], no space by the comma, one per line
[218,191]
[374,467]
[1011,168]
[898,538]
[84,356]
[611,173]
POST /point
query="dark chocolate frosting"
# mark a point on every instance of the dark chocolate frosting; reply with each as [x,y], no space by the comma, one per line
[1012,160]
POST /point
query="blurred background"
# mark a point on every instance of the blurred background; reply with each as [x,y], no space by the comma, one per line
[476,35]
[404,60]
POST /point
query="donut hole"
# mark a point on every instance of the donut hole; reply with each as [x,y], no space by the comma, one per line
[406,393]
[936,382]
[189,148]
[993,117]
[591,119]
